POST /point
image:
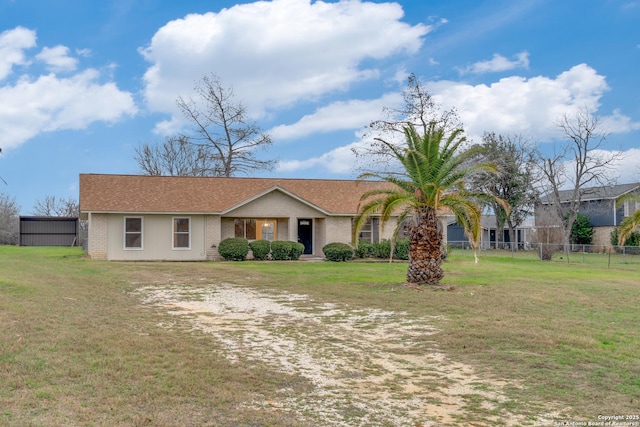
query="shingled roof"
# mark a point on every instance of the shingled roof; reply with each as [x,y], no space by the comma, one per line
[163,194]
[606,192]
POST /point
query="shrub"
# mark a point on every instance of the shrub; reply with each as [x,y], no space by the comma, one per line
[337,252]
[281,250]
[582,231]
[402,249]
[632,240]
[297,249]
[234,249]
[260,249]
[383,249]
[365,249]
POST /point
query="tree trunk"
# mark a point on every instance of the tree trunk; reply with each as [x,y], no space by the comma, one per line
[499,232]
[425,249]
[513,236]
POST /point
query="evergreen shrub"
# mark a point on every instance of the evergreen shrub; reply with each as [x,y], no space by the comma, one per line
[234,249]
[281,250]
[338,252]
[402,249]
[297,249]
[260,249]
[383,249]
[365,249]
[632,240]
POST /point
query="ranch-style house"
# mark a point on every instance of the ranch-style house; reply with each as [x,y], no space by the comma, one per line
[135,217]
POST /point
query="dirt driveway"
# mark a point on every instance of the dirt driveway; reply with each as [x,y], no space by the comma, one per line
[367,367]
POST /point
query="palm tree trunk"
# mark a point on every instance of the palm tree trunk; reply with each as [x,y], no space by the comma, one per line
[425,249]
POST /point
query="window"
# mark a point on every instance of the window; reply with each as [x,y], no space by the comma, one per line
[133,233]
[630,207]
[268,229]
[181,233]
[626,208]
[256,229]
[369,231]
[245,228]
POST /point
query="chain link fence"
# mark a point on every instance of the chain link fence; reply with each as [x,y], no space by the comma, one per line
[599,255]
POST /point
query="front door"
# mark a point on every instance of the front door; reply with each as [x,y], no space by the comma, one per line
[305,235]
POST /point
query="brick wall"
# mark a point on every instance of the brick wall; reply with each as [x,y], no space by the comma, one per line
[97,246]
[338,230]
[602,236]
[212,236]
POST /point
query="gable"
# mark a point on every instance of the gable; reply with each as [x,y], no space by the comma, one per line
[275,204]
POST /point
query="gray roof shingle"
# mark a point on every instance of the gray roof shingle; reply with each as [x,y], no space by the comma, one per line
[596,193]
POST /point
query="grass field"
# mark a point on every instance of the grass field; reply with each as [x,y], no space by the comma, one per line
[77,346]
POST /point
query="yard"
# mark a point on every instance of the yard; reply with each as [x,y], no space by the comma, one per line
[509,341]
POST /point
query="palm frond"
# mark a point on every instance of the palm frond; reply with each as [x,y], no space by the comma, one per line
[435,170]
[630,197]
[628,226]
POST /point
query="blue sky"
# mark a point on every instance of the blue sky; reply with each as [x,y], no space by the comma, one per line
[82,83]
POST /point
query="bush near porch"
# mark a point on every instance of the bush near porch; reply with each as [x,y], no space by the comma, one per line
[237,249]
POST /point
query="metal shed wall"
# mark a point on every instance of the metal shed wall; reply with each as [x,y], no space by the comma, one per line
[48,231]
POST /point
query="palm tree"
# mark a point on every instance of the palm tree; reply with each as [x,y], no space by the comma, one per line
[432,181]
[630,223]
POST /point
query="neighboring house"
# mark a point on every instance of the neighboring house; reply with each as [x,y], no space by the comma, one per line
[133,217]
[599,205]
[456,236]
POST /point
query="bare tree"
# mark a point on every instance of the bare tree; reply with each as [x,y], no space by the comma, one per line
[578,164]
[176,157]
[221,124]
[9,220]
[51,206]
[418,110]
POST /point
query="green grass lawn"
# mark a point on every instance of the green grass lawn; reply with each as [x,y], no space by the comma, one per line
[77,347]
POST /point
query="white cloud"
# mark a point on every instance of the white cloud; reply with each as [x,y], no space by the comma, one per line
[619,123]
[276,53]
[337,161]
[12,46]
[50,103]
[354,114]
[629,167]
[83,52]
[57,58]
[32,104]
[498,63]
[625,169]
[520,105]
[511,105]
